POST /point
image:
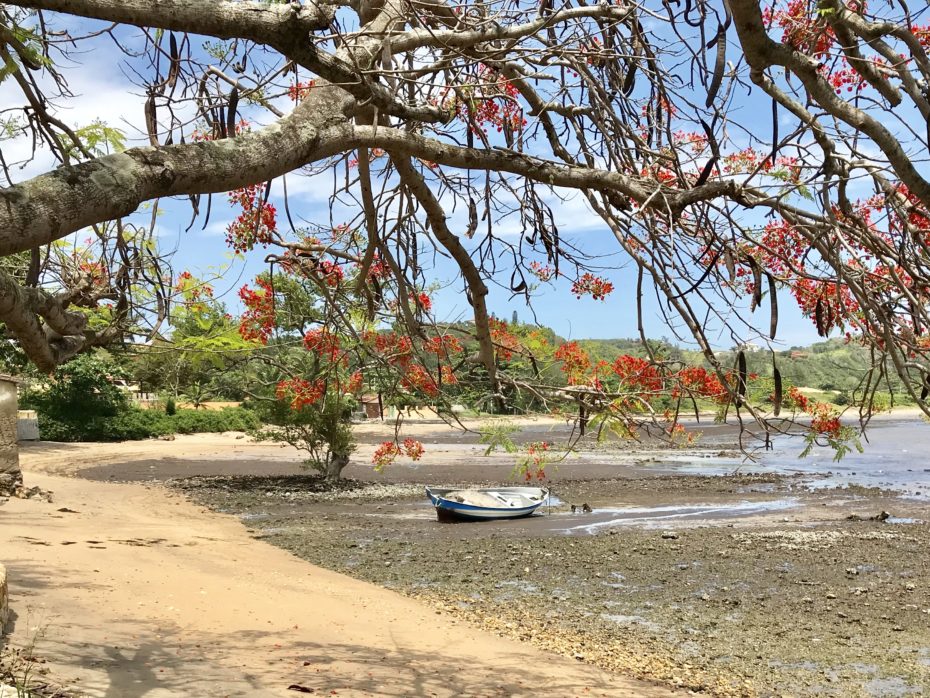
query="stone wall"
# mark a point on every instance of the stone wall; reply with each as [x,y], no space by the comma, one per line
[10,474]
[4,600]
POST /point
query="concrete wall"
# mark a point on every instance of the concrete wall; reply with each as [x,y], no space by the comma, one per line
[10,475]
[27,426]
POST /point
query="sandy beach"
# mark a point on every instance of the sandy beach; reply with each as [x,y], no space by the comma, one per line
[167,567]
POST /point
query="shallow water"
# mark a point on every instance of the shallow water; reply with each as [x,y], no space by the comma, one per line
[896,457]
[604,518]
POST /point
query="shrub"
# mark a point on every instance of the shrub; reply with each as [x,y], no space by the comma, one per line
[133,424]
[323,430]
[171,407]
[80,390]
[226,419]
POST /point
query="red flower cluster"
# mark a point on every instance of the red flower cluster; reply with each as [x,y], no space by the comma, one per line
[413,448]
[423,301]
[378,270]
[698,381]
[395,349]
[256,224]
[825,419]
[542,272]
[299,392]
[638,374]
[330,273]
[505,341]
[300,90]
[417,379]
[494,100]
[355,383]
[592,285]
[385,454]
[575,362]
[257,322]
[323,343]
[443,345]
[801,29]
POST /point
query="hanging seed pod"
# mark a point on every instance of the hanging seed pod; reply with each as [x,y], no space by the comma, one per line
[819,318]
[773,304]
[231,112]
[778,387]
[721,62]
[731,267]
[32,276]
[151,123]
[175,68]
[741,378]
[756,284]
[629,81]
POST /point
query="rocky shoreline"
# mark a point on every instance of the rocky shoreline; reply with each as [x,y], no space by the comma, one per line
[810,597]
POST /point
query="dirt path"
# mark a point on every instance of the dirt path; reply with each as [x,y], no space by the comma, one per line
[136,592]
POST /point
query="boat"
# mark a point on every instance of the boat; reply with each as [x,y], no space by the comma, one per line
[486,503]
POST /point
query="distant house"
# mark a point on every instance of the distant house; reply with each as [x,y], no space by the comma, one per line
[372,405]
[798,355]
[749,348]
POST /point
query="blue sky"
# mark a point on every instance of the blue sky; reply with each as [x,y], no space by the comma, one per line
[103,91]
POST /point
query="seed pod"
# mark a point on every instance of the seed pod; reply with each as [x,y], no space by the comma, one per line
[741,378]
[756,284]
[731,267]
[778,387]
[175,68]
[717,78]
[819,318]
[231,112]
[629,81]
[32,276]
[773,303]
[705,173]
[151,123]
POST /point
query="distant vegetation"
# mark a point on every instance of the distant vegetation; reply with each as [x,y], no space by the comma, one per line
[85,403]
[833,368]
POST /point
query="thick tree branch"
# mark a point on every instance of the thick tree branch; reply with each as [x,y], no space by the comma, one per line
[643,190]
[763,53]
[286,28]
[51,206]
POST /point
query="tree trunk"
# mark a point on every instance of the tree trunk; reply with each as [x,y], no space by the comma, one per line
[11,477]
[337,461]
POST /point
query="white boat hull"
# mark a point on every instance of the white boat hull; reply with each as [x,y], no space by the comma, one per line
[486,503]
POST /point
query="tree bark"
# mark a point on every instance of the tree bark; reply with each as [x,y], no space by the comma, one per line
[11,475]
[334,467]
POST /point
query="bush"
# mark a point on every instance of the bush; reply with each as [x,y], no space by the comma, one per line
[226,419]
[133,424]
[323,430]
[171,407]
[82,389]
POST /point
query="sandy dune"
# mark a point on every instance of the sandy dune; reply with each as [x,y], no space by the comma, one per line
[137,592]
